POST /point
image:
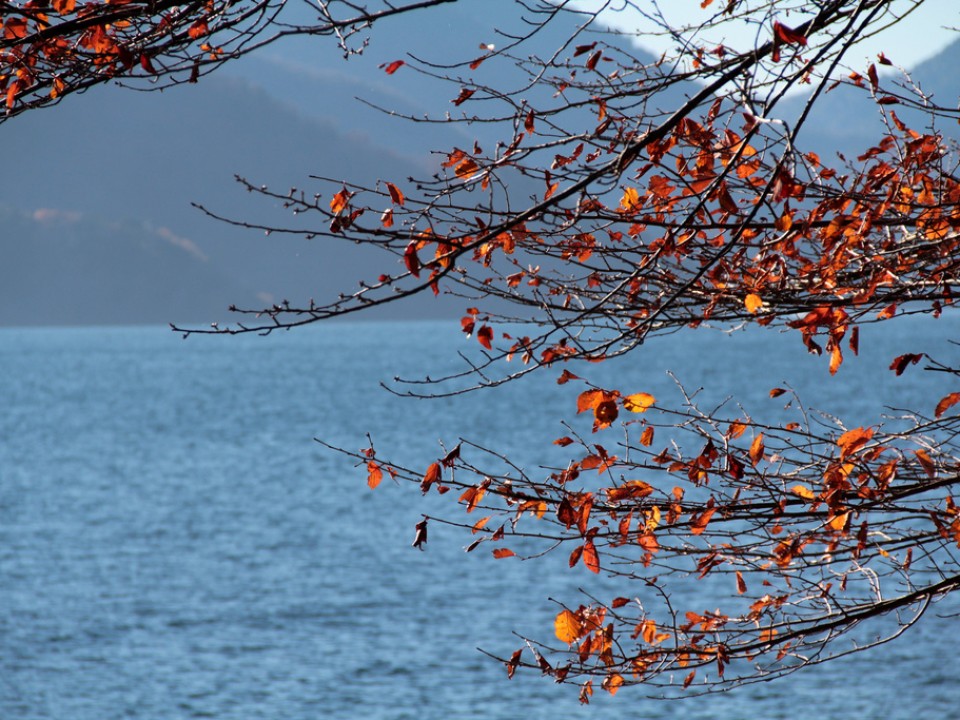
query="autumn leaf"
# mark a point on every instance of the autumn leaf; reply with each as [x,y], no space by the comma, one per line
[803,491]
[567,627]
[853,440]
[753,303]
[501,553]
[396,197]
[901,362]
[391,68]
[946,403]
[465,94]
[374,474]
[638,402]
[466,168]
[430,477]
[741,583]
[485,336]
[590,558]
[698,523]
[339,201]
[420,537]
[589,399]
[612,683]
[756,450]
[788,36]
[411,259]
[646,439]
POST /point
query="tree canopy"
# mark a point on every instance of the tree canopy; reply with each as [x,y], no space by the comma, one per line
[626,198]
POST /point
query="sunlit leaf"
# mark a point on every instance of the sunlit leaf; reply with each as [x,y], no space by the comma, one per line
[567,627]
[946,403]
[501,553]
[391,68]
[638,402]
[374,474]
[753,303]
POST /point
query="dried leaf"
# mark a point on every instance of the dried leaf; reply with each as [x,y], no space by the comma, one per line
[391,68]
[501,553]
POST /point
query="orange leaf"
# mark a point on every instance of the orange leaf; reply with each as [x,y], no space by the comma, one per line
[590,558]
[395,195]
[753,303]
[803,491]
[853,440]
[430,477]
[638,402]
[466,168]
[479,524]
[699,522]
[500,553]
[589,399]
[567,627]
[375,474]
[756,449]
[339,201]
[946,403]
[65,6]
[777,392]
[613,683]
[926,462]
[472,497]
[646,439]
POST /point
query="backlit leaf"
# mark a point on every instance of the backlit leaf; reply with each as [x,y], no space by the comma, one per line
[374,474]
[391,68]
[501,553]
[756,450]
[638,402]
[590,558]
[946,403]
[430,477]
[753,303]
[567,627]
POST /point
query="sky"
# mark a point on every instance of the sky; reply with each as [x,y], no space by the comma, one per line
[920,36]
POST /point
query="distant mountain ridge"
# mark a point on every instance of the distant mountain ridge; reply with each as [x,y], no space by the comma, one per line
[114,166]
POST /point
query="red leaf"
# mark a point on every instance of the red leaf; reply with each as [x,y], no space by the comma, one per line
[465,94]
[485,336]
[503,553]
[146,64]
[901,362]
[391,68]
[788,36]
[411,260]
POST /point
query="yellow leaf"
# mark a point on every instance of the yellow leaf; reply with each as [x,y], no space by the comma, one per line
[567,626]
[613,683]
[753,303]
[638,402]
[803,492]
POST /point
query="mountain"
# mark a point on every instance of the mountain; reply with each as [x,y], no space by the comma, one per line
[63,269]
[113,166]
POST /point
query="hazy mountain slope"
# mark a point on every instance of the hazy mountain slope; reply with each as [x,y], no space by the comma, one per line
[65,268]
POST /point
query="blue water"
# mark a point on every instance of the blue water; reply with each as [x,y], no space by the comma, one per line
[174,544]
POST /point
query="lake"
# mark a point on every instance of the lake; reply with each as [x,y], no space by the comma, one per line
[174,544]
